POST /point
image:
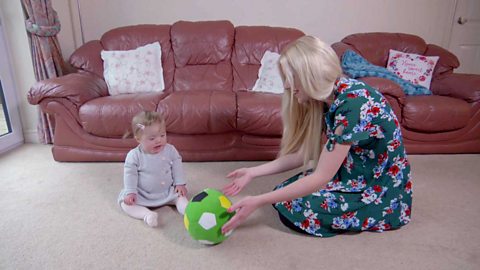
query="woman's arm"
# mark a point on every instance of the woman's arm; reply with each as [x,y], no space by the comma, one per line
[279,165]
[241,177]
[327,167]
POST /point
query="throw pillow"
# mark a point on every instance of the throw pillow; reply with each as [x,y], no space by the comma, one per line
[134,71]
[269,78]
[415,68]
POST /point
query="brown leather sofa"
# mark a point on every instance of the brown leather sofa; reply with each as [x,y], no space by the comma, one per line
[208,68]
[447,121]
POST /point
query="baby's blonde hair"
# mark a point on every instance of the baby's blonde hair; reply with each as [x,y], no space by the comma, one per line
[316,66]
[145,119]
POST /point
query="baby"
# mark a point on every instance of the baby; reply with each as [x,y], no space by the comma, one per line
[153,174]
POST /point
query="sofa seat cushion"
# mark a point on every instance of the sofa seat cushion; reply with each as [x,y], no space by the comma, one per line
[111,116]
[435,113]
[199,112]
[259,113]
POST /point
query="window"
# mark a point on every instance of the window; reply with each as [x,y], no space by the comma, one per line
[10,126]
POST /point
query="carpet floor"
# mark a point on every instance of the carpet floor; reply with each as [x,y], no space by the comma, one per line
[65,216]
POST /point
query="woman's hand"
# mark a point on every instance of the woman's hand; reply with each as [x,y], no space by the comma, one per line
[241,178]
[130,199]
[243,208]
[181,190]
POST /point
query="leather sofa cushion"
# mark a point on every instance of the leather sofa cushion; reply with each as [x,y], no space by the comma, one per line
[202,43]
[199,112]
[458,85]
[197,77]
[202,55]
[375,46]
[251,42]
[447,61]
[111,116]
[259,113]
[435,113]
[87,57]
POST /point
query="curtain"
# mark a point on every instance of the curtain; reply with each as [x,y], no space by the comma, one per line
[42,25]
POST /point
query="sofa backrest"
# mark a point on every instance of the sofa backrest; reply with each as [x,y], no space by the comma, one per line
[251,42]
[88,58]
[202,55]
[375,48]
[447,61]
[205,55]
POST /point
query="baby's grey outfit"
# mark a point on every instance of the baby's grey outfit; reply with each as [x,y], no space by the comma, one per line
[152,177]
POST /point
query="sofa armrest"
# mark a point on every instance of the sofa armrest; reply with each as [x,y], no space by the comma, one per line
[447,61]
[76,87]
[457,85]
[386,87]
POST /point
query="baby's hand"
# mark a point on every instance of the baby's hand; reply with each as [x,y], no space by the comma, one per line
[181,190]
[130,199]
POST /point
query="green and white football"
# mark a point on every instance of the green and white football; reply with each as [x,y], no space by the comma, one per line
[205,215]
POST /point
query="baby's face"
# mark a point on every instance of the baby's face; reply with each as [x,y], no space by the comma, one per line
[153,138]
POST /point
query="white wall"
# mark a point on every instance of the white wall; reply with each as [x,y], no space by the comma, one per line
[326,19]
[330,20]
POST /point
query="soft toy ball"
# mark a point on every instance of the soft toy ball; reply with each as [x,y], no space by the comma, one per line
[205,215]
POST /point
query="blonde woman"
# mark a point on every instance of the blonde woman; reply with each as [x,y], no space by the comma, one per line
[361,178]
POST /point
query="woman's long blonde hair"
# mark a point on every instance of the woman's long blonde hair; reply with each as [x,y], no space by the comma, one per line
[316,65]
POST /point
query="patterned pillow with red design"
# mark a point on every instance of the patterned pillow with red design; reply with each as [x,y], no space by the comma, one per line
[417,69]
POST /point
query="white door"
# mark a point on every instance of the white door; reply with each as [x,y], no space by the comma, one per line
[465,38]
[10,126]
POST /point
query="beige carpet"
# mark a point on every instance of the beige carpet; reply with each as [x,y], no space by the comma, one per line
[64,216]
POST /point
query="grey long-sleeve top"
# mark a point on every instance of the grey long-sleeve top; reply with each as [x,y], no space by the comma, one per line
[152,177]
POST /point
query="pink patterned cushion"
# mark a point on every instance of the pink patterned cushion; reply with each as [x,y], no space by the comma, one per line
[415,68]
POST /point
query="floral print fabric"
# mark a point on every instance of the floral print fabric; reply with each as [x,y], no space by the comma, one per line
[372,190]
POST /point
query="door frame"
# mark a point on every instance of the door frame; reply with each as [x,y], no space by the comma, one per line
[15,137]
[465,35]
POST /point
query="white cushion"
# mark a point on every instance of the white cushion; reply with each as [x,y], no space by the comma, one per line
[415,68]
[134,71]
[269,78]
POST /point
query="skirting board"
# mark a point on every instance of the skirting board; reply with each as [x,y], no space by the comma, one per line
[31,136]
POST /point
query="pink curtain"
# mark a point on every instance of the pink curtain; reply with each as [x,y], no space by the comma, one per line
[43,25]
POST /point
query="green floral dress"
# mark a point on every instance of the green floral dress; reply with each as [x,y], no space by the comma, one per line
[372,190]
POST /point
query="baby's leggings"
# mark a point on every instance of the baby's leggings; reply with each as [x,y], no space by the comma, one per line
[142,212]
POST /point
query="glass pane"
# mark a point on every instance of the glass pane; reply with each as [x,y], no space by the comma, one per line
[5,126]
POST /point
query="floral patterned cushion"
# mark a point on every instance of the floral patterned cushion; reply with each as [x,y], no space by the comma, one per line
[134,71]
[415,68]
[269,78]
